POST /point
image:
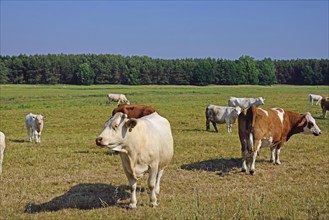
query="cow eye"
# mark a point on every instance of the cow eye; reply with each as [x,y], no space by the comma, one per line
[310,125]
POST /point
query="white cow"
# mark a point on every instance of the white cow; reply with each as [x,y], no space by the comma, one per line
[35,123]
[144,145]
[2,149]
[313,97]
[120,98]
[220,115]
[245,102]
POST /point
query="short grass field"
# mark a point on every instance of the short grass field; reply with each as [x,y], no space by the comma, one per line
[67,176]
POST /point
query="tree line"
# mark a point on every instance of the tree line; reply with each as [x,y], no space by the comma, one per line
[87,69]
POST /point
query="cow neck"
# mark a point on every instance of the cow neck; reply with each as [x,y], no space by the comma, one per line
[296,124]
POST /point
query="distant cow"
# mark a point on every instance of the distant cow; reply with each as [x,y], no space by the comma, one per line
[220,115]
[313,97]
[144,144]
[134,111]
[325,106]
[244,103]
[34,124]
[270,128]
[120,98]
[2,149]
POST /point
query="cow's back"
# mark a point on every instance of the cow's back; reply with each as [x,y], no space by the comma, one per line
[134,111]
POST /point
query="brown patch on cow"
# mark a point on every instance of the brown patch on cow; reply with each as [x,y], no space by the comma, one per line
[134,111]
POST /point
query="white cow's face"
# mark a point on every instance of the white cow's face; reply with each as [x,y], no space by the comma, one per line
[261,100]
[38,119]
[115,131]
[311,127]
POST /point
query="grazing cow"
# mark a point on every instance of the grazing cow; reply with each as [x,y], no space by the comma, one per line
[313,97]
[120,98]
[134,111]
[2,149]
[34,122]
[220,115]
[144,145]
[270,128]
[245,102]
[325,106]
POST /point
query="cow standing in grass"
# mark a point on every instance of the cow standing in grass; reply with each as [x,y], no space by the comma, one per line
[244,103]
[325,106]
[2,149]
[270,128]
[120,98]
[313,98]
[221,115]
[34,126]
[145,145]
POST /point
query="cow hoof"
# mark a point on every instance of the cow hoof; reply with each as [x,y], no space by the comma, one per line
[132,206]
[243,170]
[252,172]
[154,205]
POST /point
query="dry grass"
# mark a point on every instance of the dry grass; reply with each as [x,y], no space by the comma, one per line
[68,177]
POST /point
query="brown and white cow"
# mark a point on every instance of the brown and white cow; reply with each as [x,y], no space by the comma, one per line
[325,106]
[145,145]
[134,111]
[270,128]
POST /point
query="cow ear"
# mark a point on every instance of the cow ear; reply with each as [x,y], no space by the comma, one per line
[131,123]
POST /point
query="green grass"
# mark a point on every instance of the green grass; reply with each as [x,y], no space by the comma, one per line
[68,177]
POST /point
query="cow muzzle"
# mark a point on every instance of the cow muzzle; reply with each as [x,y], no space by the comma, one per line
[99,141]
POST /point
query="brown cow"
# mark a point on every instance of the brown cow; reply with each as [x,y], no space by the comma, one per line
[270,128]
[134,111]
[325,106]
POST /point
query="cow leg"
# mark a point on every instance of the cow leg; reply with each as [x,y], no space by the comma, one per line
[244,154]
[157,184]
[29,134]
[207,124]
[324,112]
[254,156]
[151,183]
[133,186]
[272,154]
[215,126]
[318,102]
[277,155]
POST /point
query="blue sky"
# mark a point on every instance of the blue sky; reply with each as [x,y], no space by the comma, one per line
[167,29]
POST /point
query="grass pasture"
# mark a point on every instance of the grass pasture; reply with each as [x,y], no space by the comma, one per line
[67,176]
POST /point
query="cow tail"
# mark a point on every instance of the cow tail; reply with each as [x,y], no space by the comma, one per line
[250,122]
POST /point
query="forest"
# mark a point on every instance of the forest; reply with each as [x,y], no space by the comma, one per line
[87,69]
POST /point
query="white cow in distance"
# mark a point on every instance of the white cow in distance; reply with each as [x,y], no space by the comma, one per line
[244,103]
[2,149]
[221,115]
[145,145]
[34,124]
[313,97]
[120,98]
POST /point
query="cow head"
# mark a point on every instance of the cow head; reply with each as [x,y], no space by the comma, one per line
[38,119]
[309,126]
[115,131]
[261,100]
[237,110]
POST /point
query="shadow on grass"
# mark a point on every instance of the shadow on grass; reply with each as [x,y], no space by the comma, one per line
[223,165]
[17,141]
[84,197]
